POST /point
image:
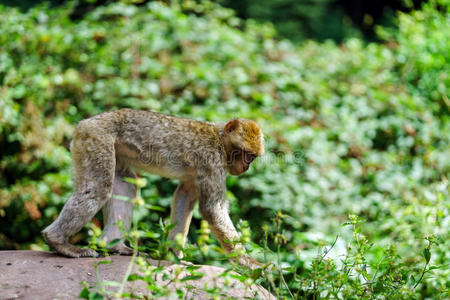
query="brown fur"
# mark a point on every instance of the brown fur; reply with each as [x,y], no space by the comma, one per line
[110,146]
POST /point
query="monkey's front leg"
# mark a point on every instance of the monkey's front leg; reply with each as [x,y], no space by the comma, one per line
[116,209]
[183,203]
[224,230]
[214,209]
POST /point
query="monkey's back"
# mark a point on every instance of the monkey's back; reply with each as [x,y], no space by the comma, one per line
[162,144]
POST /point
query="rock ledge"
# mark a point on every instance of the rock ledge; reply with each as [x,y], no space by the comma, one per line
[45,275]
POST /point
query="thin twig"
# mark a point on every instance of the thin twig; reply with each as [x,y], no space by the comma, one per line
[328,250]
[285,284]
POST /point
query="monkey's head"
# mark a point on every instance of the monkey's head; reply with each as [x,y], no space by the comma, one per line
[244,142]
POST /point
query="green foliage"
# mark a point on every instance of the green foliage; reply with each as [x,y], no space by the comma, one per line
[422,53]
[350,129]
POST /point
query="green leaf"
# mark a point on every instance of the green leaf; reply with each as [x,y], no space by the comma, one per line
[112,243]
[84,292]
[152,235]
[191,277]
[134,277]
[427,254]
[256,273]
[95,296]
[192,268]
[155,207]
[238,277]
[169,227]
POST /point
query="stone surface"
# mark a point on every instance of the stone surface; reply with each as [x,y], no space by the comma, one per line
[45,275]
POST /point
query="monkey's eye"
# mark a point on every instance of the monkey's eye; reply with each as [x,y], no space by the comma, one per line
[249,156]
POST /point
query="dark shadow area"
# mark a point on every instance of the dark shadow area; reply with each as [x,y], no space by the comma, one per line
[295,20]
[323,19]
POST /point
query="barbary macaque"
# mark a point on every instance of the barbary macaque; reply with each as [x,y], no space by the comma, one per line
[109,147]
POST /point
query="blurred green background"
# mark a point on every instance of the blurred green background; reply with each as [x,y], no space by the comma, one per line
[353,99]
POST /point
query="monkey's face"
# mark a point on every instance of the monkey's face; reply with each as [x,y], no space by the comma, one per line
[239,161]
[246,141]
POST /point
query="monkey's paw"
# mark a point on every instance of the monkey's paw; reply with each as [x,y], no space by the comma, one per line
[88,253]
[121,249]
[73,251]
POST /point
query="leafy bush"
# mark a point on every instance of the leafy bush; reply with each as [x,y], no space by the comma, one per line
[351,129]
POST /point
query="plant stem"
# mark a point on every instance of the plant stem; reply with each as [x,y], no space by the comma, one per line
[421,276]
[130,267]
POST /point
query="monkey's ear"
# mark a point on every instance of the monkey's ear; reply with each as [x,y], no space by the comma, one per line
[231,126]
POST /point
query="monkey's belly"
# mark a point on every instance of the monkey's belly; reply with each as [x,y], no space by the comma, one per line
[149,161]
[159,170]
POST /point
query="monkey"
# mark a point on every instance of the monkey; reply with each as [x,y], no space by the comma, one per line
[111,146]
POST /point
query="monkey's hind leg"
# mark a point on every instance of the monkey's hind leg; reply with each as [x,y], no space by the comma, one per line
[117,209]
[93,163]
[183,203]
[58,240]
